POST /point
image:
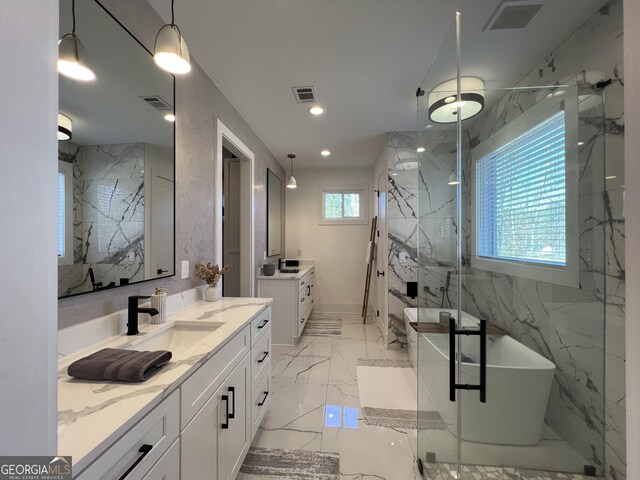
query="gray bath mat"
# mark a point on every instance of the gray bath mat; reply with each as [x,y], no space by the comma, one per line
[323,327]
[388,417]
[284,464]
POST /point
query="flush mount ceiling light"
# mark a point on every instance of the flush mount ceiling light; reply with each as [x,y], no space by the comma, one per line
[170,117]
[65,127]
[291,183]
[325,153]
[170,52]
[316,110]
[443,104]
[72,56]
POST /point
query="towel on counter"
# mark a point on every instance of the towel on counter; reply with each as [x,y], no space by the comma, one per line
[119,365]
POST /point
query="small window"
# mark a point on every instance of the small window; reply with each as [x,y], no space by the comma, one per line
[343,205]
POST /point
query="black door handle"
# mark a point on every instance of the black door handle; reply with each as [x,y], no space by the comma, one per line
[264,357]
[266,394]
[453,386]
[379,274]
[225,399]
[232,390]
[144,450]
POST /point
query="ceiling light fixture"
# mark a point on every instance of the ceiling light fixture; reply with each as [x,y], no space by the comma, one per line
[316,110]
[325,153]
[610,177]
[420,149]
[72,55]
[580,144]
[65,127]
[443,107]
[170,117]
[291,183]
[453,179]
[170,52]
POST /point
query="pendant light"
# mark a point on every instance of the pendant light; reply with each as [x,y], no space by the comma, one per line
[65,127]
[453,178]
[291,183]
[72,56]
[170,52]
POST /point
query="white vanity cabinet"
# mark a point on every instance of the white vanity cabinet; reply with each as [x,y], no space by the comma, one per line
[293,299]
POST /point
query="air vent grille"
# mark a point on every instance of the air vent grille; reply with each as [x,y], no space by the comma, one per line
[158,103]
[305,94]
[514,14]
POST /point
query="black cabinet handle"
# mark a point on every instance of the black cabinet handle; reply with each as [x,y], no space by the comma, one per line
[225,399]
[453,386]
[263,324]
[266,394]
[264,357]
[301,300]
[232,391]
[308,290]
[379,274]
[144,450]
[161,271]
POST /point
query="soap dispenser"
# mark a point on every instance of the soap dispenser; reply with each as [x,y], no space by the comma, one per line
[159,302]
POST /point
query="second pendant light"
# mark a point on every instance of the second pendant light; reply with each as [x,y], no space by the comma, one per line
[291,183]
[170,52]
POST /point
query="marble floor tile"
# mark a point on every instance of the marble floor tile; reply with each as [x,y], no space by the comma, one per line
[343,395]
[302,368]
[296,397]
[359,332]
[288,438]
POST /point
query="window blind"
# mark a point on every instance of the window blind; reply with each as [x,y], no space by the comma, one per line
[61,207]
[521,197]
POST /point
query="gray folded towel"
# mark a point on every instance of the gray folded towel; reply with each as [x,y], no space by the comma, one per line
[119,365]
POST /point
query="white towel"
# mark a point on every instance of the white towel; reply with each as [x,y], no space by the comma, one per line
[369,252]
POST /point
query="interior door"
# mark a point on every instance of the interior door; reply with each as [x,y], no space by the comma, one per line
[231,227]
[162,194]
[381,260]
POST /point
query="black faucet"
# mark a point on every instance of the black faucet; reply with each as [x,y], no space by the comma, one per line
[134,310]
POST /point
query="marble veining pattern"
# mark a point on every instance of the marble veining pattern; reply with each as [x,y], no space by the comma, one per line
[92,413]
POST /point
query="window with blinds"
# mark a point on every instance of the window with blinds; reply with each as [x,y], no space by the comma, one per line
[61,213]
[521,197]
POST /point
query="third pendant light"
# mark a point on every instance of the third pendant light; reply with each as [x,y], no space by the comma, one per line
[171,52]
[291,183]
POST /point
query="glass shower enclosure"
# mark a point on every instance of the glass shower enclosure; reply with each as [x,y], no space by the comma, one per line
[509,337]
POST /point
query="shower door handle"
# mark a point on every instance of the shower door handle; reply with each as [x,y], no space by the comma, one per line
[453,386]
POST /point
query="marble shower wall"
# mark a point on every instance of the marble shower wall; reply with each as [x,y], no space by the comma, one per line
[108,198]
[567,325]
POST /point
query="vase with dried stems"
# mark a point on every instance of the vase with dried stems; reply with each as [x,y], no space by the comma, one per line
[212,275]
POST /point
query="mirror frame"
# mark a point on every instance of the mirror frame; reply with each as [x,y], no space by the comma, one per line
[269,171]
[173,79]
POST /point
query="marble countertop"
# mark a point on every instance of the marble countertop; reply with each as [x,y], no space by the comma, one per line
[287,276]
[92,415]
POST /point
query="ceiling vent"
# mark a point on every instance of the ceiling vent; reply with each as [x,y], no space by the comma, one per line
[305,94]
[158,103]
[514,14]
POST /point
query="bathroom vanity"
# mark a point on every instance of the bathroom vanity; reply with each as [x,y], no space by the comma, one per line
[293,298]
[195,419]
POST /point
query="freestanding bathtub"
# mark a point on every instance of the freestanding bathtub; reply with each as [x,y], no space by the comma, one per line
[518,383]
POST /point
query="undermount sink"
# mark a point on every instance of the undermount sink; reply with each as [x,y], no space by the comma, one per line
[177,337]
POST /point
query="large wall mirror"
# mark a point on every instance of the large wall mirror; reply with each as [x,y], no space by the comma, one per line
[274,214]
[116,171]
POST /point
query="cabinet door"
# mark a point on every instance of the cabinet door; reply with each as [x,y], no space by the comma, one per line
[237,438]
[202,442]
[168,467]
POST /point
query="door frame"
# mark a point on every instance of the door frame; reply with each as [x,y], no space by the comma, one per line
[382,286]
[247,199]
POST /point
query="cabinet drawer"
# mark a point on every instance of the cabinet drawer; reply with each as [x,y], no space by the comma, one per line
[168,467]
[260,324]
[260,399]
[197,389]
[157,430]
[260,357]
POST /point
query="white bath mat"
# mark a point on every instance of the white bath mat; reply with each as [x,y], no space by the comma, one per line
[388,396]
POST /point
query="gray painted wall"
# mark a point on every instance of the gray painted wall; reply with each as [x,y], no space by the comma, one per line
[28,278]
[199,103]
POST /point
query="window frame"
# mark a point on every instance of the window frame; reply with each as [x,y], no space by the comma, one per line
[567,275]
[66,169]
[361,189]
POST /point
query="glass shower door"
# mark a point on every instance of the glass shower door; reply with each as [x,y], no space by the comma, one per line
[511,209]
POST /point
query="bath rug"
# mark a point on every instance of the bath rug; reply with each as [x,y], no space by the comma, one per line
[323,327]
[388,395]
[285,464]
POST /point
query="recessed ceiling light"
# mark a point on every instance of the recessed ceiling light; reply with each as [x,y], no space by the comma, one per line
[316,110]
[325,153]
[170,117]
[580,144]
[610,177]
[420,149]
